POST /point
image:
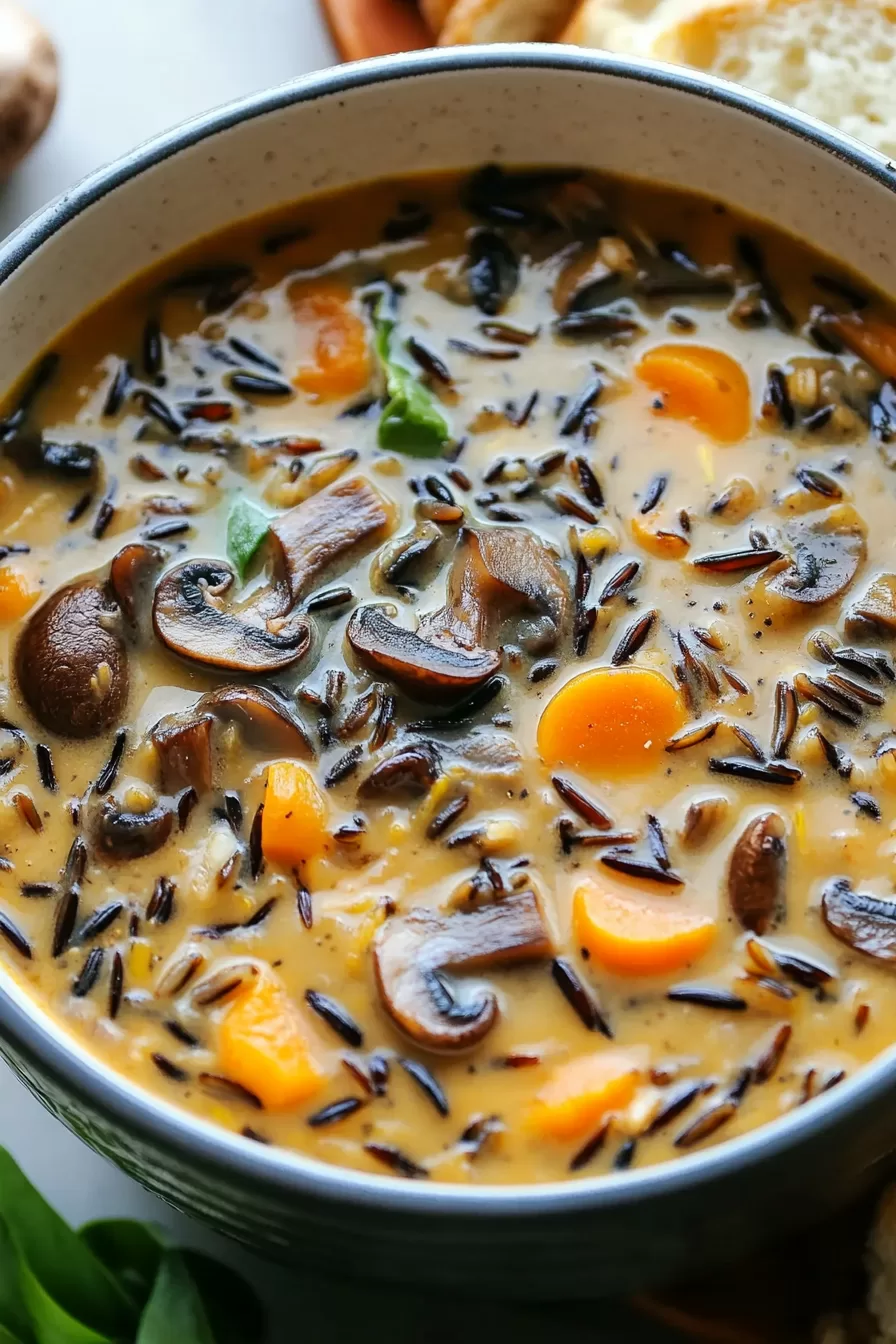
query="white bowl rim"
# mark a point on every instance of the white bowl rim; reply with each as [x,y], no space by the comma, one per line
[284,1171]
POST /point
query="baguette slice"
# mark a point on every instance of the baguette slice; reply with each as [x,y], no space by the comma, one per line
[504,21]
[435,12]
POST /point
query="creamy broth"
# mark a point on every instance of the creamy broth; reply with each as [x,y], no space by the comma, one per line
[636,941]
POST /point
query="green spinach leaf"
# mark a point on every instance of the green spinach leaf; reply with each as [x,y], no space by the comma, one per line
[13,1311]
[131,1251]
[233,1309]
[247,527]
[174,1310]
[50,1322]
[57,1261]
[412,421]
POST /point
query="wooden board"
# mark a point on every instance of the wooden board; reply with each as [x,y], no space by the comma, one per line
[375,27]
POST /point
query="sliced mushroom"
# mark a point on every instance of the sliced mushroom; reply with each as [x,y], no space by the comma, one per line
[184,748]
[496,573]
[428,671]
[33,454]
[862,922]
[265,720]
[132,835]
[409,772]
[332,526]
[130,572]
[71,662]
[189,619]
[826,555]
[411,952]
[757,872]
[876,608]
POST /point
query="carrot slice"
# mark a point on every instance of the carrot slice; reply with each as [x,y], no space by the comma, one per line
[632,933]
[340,366]
[294,820]
[582,1091]
[263,1047]
[18,593]
[611,721]
[870,337]
[658,537]
[702,385]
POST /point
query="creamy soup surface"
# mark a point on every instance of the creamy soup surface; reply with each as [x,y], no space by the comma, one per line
[448,700]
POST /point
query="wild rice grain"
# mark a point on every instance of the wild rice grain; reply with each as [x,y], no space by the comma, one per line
[107,776]
[116,985]
[582,1001]
[335,1017]
[395,1160]
[89,973]
[15,937]
[337,1110]
[168,1068]
[45,767]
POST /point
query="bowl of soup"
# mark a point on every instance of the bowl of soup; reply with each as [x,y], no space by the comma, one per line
[447,593]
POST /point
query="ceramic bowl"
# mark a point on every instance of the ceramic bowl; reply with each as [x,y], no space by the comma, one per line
[452,110]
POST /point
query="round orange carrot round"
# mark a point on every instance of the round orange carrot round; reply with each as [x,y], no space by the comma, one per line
[632,933]
[340,366]
[702,385]
[611,721]
[582,1091]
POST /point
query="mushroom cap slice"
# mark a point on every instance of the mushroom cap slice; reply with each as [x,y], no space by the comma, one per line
[184,747]
[330,527]
[71,662]
[189,620]
[409,772]
[411,951]
[129,571]
[826,557]
[132,835]
[496,573]
[265,720]
[426,670]
[757,872]
[862,922]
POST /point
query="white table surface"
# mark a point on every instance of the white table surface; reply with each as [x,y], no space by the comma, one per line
[129,69]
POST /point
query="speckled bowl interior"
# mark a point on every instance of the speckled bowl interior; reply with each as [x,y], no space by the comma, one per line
[431,111]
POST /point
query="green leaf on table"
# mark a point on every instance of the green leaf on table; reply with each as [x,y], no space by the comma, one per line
[130,1250]
[247,527]
[412,421]
[14,1317]
[50,1323]
[57,1261]
[175,1310]
[233,1308]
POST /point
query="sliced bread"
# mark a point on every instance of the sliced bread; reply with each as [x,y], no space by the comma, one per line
[830,58]
[504,21]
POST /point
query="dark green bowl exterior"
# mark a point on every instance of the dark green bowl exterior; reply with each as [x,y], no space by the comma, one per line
[611,1235]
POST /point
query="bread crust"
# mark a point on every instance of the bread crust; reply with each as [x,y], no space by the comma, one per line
[504,21]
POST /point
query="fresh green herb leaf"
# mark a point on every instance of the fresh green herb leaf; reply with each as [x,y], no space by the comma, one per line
[13,1312]
[51,1323]
[247,527]
[7,1338]
[56,1259]
[233,1309]
[412,421]
[174,1310]
[131,1251]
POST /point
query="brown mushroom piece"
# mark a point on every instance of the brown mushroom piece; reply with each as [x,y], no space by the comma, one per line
[412,952]
[28,85]
[757,871]
[862,922]
[123,834]
[184,748]
[409,772]
[874,613]
[824,560]
[497,573]
[129,574]
[190,620]
[266,722]
[427,671]
[71,663]
[331,527]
